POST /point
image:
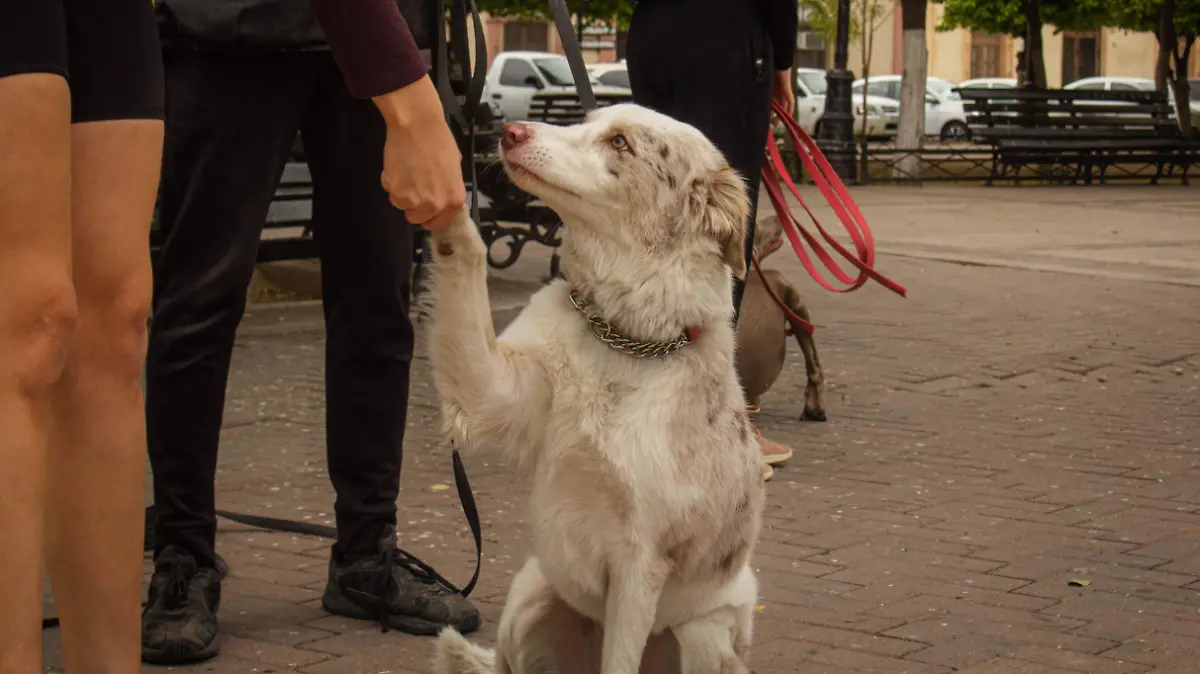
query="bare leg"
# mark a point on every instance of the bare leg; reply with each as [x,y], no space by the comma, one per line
[95,509]
[36,319]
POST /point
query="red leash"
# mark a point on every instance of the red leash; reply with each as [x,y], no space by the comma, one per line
[835,192]
[792,316]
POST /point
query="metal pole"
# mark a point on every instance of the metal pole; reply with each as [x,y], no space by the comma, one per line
[836,139]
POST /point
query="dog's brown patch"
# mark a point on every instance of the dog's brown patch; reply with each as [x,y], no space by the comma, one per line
[445,248]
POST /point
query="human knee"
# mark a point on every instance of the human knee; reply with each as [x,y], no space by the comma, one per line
[37,325]
[113,326]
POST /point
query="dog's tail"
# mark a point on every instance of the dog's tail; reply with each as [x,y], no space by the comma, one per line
[453,654]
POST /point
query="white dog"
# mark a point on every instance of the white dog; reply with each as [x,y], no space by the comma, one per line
[616,392]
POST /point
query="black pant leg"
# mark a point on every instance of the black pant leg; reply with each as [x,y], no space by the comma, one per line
[366,250]
[708,63]
[230,121]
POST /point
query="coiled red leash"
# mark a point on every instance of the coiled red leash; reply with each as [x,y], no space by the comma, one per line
[835,192]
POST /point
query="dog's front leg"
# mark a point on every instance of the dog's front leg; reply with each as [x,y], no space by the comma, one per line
[634,588]
[491,392]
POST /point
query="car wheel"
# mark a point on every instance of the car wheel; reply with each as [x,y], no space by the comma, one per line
[955,130]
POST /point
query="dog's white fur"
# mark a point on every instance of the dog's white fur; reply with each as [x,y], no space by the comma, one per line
[647,493]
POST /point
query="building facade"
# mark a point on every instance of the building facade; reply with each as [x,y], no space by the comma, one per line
[955,55]
[959,54]
[600,43]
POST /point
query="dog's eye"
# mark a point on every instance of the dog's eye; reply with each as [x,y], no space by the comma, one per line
[619,142]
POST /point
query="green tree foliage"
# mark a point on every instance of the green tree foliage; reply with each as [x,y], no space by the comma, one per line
[1007,17]
[1143,15]
[1175,23]
[821,16]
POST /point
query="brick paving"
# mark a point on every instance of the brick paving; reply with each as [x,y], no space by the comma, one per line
[1001,433]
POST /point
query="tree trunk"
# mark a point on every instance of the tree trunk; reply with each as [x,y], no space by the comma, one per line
[1166,45]
[1180,85]
[1035,58]
[868,37]
[912,86]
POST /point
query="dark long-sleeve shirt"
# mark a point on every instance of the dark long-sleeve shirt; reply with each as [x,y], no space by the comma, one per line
[372,44]
[781,17]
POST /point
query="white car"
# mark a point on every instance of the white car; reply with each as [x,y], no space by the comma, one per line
[1113,83]
[515,76]
[610,74]
[989,83]
[944,114]
[883,115]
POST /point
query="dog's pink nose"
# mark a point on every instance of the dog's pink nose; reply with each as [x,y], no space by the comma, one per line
[515,133]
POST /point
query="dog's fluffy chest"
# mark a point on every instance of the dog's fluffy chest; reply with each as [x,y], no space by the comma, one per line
[639,457]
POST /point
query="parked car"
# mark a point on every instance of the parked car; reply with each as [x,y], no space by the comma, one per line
[883,115]
[610,74]
[944,115]
[989,83]
[515,76]
[1115,83]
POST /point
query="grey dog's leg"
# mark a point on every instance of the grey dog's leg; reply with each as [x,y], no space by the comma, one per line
[814,392]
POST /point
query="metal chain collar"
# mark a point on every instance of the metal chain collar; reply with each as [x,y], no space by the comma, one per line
[607,334]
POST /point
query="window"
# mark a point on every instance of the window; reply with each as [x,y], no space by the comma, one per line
[1081,55]
[616,78]
[1121,86]
[810,48]
[886,89]
[816,83]
[525,36]
[1095,85]
[515,73]
[556,70]
[985,54]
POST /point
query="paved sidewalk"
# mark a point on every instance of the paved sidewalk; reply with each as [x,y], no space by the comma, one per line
[993,439]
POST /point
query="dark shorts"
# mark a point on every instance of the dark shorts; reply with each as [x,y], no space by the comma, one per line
[107,50]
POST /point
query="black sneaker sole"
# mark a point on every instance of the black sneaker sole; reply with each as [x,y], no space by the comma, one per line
[338,604]
[179,654]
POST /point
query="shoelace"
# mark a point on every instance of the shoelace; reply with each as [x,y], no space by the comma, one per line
[175,588]
[383,582]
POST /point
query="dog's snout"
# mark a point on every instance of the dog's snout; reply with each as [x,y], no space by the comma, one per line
[515,133]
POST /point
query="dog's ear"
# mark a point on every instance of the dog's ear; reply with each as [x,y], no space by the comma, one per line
[724,209]
[766,230]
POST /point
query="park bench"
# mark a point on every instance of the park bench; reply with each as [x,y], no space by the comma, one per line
[564,109]
[1077,136]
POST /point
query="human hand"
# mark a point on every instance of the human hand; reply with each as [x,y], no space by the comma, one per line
[422,167]
[781,91]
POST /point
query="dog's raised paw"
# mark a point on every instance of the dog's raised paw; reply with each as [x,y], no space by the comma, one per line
[454,654]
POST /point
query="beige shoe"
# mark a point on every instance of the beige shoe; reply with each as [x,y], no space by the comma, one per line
[773,452]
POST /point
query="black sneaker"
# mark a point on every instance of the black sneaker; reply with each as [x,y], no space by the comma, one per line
[179,622]
[398,590]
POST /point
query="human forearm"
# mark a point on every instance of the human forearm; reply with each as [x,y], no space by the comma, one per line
[372,45]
